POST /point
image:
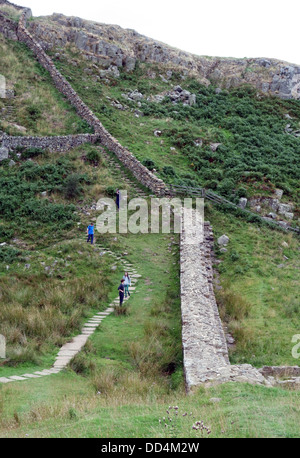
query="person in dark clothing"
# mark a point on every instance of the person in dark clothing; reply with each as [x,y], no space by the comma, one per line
[118,199]
[90,233]
[121,292]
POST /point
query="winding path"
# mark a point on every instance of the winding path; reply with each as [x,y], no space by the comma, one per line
[70,349]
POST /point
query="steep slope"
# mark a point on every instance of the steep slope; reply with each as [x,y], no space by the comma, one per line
[237,142]
[51,280]
[32,105]
[114,48]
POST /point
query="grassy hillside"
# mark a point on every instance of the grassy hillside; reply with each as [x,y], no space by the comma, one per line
[51,281]
[259,299]
[255,153]
[68,406]
[256,156]
[37,107]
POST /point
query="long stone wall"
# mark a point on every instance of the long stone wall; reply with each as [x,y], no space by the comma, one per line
[205,353]
[58,144]
[140,172]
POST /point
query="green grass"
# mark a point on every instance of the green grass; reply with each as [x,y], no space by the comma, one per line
[131,369]
[38,107]
[66,406]
[50,280]
[260,297]
[13,13]
[255,156]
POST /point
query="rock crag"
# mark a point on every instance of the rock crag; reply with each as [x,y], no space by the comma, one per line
[112,47]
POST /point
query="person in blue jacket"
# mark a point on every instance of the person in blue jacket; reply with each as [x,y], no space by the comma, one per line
[118,198]
[90,233]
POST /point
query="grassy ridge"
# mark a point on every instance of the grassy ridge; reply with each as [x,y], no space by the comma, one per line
[37,107]
[130,370]
[255,156]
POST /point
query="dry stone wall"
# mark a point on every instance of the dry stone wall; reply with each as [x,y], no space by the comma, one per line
[140,172]
[203,339]
[205,353]
[58,144]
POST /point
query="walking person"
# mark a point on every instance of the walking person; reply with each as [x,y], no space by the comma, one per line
[127,283]
[121,292]
[90,233]
[118,198]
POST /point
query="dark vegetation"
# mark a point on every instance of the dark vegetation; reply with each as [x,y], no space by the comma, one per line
[21,194]
[255,155]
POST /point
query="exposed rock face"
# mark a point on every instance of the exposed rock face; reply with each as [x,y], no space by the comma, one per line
[8,28]
[287,82]
[283,210]
[181,95]
[108,45]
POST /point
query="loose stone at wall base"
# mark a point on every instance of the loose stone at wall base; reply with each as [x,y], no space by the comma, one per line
[3,153]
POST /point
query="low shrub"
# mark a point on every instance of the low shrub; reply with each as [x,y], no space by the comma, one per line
[81,365]
[110,191]
[149,164]
[93,156]
[8,254]
[31,152]
[121,310]
[72,186]
[168,171]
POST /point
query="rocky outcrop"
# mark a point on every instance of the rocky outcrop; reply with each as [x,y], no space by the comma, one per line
[111,46]
[3,153]
[142,174]
[176,95]
[278,210]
